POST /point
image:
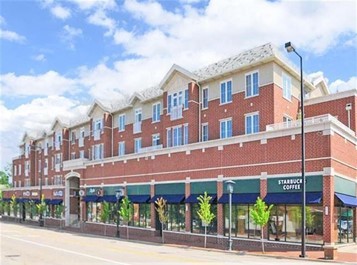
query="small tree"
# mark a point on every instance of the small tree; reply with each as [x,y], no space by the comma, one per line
[205,213]
[14,205]
[126,213]
[59,211]
[41,207]
[104,214]
[260,214]
[163,216]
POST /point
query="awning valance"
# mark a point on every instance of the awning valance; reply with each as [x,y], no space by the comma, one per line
[193,198]
[177,198]
[108,198]
[241,198]
[90,198]
[139,198]
[293,198]
[347,200]
[55,201]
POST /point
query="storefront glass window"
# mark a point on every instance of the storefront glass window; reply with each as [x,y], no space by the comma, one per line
[196,225]
[93,211]
[176,214]
[242,224]
[285,224]
[344,224]
[141,215]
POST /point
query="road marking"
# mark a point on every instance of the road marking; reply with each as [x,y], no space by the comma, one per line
[66,250]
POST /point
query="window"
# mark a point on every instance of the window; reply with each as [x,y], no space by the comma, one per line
[121,149]
[226,128]
[177,136]
[287,121]
[286,86]
[226,92]
[156,110]
[137,145]
[81,137]
[205,98]
[205,132]
[39,165]
[97,129]
[177,100]
[196,222]
[137,122]
[185,134]
[168,137]
[58,141]
[121,123]
[251,84]
[20,170]
[15,170]
[81,154]
[141,215]
[98,151]
[73,155]
[252,123]
[176,217]
[73,137]
[155,139]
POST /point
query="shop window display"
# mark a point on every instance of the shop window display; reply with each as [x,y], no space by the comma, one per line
[196,223]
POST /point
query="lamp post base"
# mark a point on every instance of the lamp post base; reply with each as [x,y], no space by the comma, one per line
[230,243]
[41,222]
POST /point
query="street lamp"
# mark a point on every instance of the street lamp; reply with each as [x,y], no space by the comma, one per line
[290,48]
[230,187]
[119,193]
[40,220]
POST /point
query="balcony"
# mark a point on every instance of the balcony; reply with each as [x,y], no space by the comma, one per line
[80,142]
[176,112]
[137,127]
[96,134]
[150,148]
[75,164]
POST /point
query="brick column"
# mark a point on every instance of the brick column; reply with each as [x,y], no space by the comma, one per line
[187,206]
[152,209]
[220,216]
[329,224]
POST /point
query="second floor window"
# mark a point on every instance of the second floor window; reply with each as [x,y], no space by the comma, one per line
[121,148]
[252,123]
[226,92]
[156,139]
[251,84]
[204,132]
[137,145]
[156,109]
[177,136]
[225,128]
[98,151]
[205,98]
[121,123]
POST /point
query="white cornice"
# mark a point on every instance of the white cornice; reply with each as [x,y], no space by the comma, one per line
[331,97]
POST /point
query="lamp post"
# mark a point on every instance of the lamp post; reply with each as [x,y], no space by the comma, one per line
[230,187]
[119,193]
[40,220]
[290,48]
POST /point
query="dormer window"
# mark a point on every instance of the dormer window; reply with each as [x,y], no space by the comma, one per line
[97,129]
[177,100]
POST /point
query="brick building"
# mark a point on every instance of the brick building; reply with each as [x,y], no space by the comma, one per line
[236,120]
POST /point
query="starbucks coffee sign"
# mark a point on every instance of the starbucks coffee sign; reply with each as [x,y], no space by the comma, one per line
[26,193]
[58,193]
[290,183]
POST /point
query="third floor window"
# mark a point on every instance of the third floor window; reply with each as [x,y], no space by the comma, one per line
[205,98]
[121,123]
[177,100]
[226,92]
[251,84]
[156,109]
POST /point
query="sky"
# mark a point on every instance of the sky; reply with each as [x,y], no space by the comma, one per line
[58,56]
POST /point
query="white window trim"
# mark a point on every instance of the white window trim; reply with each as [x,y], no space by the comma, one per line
[245,84]
[152,109]
[202,125]
[121,115]
[291,86]
[245,120]
[220,99]
[204,108]
[220,128]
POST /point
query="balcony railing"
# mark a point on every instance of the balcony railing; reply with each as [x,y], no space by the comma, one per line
[176,112]
[137,127]
[150,148]
[74,164]
[297,123]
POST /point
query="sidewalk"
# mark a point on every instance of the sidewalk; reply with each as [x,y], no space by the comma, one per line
[347,253]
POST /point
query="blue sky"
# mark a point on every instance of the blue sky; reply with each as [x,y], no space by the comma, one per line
[57,56]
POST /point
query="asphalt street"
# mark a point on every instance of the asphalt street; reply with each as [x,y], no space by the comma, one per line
[34,246]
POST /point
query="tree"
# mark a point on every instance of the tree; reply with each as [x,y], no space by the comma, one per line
[204,212]
[163,216]
[14,205]
[104,214]
[41,207]
[59,210]
[260,214]
[126,213]
[4,179]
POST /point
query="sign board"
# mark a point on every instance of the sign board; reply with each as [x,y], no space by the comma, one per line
[81,193]
[290,183]
[34,193]
[26,193]
[58,193]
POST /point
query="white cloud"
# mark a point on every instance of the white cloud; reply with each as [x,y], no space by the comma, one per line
[340,85]
[37,114]
[92,4]
[61,12]
[11,36]
[50,83]
[69,34]
[2,20]
[40,57]
[100,18]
